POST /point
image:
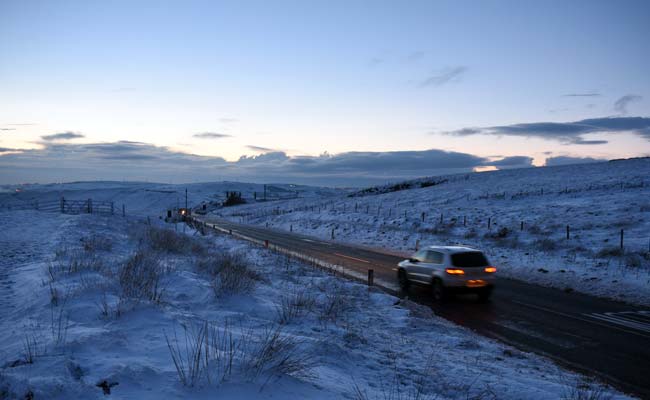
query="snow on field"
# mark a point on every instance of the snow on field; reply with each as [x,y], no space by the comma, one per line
[519,217]
[93,303]
[147,199]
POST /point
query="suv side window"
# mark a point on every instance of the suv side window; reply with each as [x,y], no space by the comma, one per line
[434,257]
[421,256]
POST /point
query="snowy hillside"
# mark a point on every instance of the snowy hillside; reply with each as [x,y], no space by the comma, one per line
[91,305]
[521,218]
[149,199]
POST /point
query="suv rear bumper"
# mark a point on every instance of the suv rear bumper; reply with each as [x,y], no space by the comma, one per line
[466,289]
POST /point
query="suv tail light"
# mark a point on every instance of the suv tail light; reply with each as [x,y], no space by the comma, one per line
[490,269]
[454,271]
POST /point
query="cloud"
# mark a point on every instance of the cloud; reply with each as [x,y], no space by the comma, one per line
[228,120]
[7,129]
[513,161]
[566,132]
[566,160]
[415,56]
[374,61]
[591,94]
[621,104]
[211,135]
[64,162]
[453,74]
[6,149]
[260,148]
[62,136]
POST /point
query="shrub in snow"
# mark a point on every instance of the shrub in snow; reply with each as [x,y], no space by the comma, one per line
[609,251]
[95,243]
[140,277]
[162,239]
[214,354]
[545,244]
[230,273]
[295,305]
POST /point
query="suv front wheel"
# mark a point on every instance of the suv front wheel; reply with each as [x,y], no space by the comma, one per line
[403,280]
[438,291]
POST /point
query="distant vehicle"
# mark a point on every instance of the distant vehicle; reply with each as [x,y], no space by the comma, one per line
[448,270]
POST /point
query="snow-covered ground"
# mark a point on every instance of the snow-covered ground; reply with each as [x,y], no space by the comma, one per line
[486,210]
[148,199]
[88,300]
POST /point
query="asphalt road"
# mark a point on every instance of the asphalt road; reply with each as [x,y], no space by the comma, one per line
[605,338]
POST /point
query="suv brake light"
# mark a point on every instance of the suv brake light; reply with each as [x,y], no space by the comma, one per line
[490,269]
[455,271]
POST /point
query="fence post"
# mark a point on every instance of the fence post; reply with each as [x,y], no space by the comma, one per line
[332,233]
[290,228]
[489,223]
[464,220]
[90,206]
[440,218]
[266,243]
[568,235]
[423,216]
[522,226]
[371,277]
[417,244]
[112,208]
[62,204]
[622,234]
[123,210]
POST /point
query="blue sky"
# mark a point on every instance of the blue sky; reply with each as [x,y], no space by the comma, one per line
[282,82]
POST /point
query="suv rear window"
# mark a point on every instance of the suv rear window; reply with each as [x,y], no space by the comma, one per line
[469,259]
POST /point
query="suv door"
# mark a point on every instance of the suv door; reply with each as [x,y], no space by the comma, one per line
[433,264]
[429,261]
[414,266]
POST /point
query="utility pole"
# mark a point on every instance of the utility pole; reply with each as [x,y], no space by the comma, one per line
[264,192]
[186,199]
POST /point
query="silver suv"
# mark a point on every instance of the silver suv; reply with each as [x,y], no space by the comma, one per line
[448,269]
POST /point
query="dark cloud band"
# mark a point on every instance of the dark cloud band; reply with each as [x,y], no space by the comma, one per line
[566,132]
[142,161]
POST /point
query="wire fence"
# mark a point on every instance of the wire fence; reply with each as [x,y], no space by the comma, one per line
[65,206]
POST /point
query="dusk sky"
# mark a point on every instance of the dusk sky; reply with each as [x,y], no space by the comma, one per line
[323,93]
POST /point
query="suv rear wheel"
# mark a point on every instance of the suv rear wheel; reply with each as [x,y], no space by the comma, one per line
[484,294]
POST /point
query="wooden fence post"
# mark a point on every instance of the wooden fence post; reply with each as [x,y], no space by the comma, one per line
[62,204]
[90,206]
[522,226]
[441,219]
[568,234]
[112,208]
[417,244]
[371,277]
[332,233]
[622,234]
[489,223]
[123,210]
[464,220]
